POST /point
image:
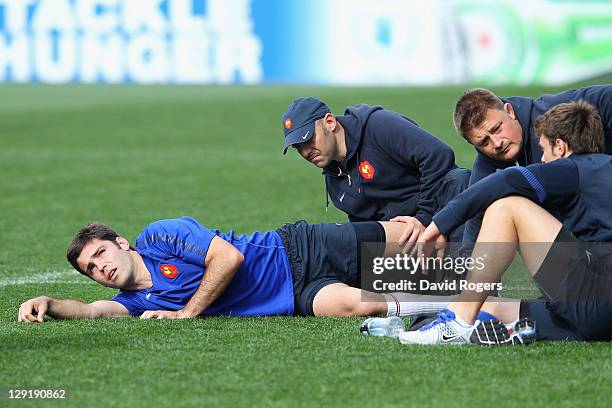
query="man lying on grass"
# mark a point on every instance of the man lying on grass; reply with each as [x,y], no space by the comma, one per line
[568,254]
[181,269]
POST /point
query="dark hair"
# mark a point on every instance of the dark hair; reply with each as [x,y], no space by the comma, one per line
[86,235]
[471,109]
[576,123]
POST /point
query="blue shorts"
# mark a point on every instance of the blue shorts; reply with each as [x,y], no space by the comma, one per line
[322,254]
[452,184]
[576,321]
[576,281]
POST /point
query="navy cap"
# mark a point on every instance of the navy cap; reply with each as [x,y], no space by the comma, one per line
[298,120]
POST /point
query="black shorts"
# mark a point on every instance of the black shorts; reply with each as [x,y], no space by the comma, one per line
[322,254]
[575,279]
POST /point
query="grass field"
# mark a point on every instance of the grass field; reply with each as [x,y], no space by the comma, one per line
[129,155]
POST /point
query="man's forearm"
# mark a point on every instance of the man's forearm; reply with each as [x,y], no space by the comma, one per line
[69,309]
[218,275]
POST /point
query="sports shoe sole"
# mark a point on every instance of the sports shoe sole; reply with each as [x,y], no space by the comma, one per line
[495,333]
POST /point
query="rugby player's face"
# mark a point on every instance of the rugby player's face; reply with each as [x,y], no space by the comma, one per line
[549,151]
[108,263]
[499,136]
[320,149]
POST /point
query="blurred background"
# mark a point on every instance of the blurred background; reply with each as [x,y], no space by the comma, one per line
[348,42]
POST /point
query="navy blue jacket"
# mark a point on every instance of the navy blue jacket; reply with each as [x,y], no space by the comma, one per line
[576,190]
[392,166]
[527,110]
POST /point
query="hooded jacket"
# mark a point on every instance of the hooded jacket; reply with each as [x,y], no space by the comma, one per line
[527,111]
[392,166]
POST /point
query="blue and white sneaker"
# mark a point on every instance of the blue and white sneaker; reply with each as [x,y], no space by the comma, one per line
[446,329]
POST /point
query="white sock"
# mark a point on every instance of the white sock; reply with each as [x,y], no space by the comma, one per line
[462,322]
[407,304]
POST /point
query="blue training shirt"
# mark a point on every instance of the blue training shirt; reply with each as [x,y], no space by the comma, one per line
[174,252]
[527,111]
[575,190]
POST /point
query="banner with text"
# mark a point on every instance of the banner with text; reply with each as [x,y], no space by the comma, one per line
[352,42]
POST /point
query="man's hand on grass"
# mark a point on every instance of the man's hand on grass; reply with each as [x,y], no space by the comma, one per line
[165,314]
[34,310]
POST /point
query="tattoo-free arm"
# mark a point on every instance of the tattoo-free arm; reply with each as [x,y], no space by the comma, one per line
[34,310]
[222,261]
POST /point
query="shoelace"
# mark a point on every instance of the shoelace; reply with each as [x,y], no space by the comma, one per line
[441,318]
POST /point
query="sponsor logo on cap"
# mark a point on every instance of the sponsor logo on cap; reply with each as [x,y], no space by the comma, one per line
[288,123]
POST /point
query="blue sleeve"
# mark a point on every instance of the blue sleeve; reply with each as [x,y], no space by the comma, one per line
[483,166]
[600,96]
[131,303]
[406,143]
[537,182]
[183,238]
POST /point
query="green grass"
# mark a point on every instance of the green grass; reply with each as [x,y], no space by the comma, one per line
[128,155]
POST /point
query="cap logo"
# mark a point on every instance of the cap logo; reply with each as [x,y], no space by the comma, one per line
[366,170]
[288,123]
[169,271]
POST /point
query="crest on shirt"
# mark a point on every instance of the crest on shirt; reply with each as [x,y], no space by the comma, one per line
[169,271]
[288,123]
[366,170]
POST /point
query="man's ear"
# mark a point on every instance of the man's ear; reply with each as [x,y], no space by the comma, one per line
[509,110]
[122,242]
[561,147]
[330,121]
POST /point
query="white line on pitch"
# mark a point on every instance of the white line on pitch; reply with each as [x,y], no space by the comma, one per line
[70,277]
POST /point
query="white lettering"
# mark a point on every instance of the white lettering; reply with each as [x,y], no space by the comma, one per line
[237,52]
[480,286]
[146,58]
[53,15]
[143,15]
[182,18]
[102,59]
[14,56]
[91,21]
[117,40]
[190,58]
[55,57]
[15,13]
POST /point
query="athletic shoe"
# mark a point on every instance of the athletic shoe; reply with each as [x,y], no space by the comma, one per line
[445,329]
[495,333]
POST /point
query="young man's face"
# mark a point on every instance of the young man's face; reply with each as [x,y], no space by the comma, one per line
[499,136]
[321,148]
[549,152]
[108,263]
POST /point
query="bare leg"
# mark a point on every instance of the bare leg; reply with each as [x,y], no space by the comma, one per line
[342,300]
[506,222]
[505,310]
[339,299]
[393,232]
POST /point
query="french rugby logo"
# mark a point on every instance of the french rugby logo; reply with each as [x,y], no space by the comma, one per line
[366,170]
[169,271]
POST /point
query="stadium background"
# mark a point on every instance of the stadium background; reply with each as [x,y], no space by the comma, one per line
[203,138]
